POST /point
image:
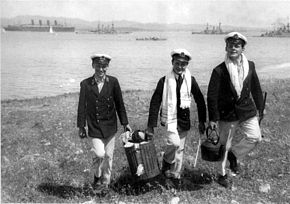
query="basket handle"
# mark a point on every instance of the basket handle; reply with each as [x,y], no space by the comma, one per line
[215,142]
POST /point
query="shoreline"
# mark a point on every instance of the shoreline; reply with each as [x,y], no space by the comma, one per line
[264,82]
[64,95]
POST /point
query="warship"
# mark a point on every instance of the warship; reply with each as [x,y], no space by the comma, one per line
[216,30]
[40,27]
[104,29]
[282,31]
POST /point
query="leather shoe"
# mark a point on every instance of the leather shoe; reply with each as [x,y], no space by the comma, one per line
[165,166]
[97,182]
[233,163]
[223,181]
[169,184]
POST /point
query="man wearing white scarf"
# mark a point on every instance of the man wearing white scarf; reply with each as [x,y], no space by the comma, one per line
[234,100]
[173,94]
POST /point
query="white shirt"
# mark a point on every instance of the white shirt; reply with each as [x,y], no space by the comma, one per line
[100,83]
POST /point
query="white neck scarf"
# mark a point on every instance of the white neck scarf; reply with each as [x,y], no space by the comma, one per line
[237,78]
[169,99]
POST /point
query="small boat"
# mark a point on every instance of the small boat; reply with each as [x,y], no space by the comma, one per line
[151,38]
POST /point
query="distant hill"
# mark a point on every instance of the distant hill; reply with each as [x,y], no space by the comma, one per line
[122,25]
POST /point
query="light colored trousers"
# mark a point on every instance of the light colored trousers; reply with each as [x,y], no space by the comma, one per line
[102,155]
[174,151]
[227,130]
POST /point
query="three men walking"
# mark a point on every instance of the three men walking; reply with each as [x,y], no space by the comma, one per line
[234,99]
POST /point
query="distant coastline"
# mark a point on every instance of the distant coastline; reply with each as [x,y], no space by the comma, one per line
[123,25]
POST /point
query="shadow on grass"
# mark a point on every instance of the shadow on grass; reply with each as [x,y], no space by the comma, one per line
[198,176]
[65,191]
[191,181]
[129,185]
[126,184]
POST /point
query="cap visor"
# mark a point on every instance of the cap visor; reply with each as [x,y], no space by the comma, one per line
[181,59]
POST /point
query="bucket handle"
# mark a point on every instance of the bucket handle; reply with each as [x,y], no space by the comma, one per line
[215,142]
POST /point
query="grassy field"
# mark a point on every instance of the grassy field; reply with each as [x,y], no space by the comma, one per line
[44,161]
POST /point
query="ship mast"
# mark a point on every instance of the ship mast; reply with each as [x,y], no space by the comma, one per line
[288,25]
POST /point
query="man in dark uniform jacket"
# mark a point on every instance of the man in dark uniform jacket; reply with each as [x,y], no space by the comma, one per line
[173,93]
[99,101]
[235,100]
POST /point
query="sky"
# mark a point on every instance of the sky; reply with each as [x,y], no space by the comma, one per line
[231,12]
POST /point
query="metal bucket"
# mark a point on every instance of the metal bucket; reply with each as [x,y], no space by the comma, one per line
[211,149]
[144,154]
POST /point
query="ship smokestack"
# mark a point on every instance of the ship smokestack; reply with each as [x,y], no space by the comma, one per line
[48,23]
[40,22]
[55,22]
[220,28]
[32,22]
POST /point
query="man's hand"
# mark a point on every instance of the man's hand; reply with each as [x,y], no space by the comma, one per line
[212,125]
[149,132]
[127,128]
[261,116]
[82,133]
[201,127]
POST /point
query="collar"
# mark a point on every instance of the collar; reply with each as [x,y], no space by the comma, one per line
[97,81]
[177,75]
[238,62]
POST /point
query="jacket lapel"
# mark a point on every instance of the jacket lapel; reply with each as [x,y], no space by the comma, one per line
[246,81]
[228,78]
[105,87]
[94,86]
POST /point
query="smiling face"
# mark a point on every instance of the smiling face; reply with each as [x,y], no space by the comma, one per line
[100,69]
[234,49]
[179,65]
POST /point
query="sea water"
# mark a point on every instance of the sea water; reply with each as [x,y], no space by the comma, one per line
[35,64]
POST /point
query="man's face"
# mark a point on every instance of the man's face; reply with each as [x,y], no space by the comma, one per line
[100,68]
[179,65]
[234,50]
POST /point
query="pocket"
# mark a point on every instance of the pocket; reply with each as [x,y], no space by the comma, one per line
[245,109]
[183,124]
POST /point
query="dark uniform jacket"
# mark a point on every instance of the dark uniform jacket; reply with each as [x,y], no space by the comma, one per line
[183,115]
[98,110]
[222,99]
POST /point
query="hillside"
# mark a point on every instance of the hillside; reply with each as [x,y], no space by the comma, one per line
[120,24]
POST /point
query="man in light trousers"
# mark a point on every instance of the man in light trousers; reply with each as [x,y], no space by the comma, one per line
[235,100]
[100,102]
[173,94]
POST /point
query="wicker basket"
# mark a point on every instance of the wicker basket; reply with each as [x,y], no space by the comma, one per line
[143,153]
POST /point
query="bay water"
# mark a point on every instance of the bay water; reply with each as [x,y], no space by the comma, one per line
[44,64]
